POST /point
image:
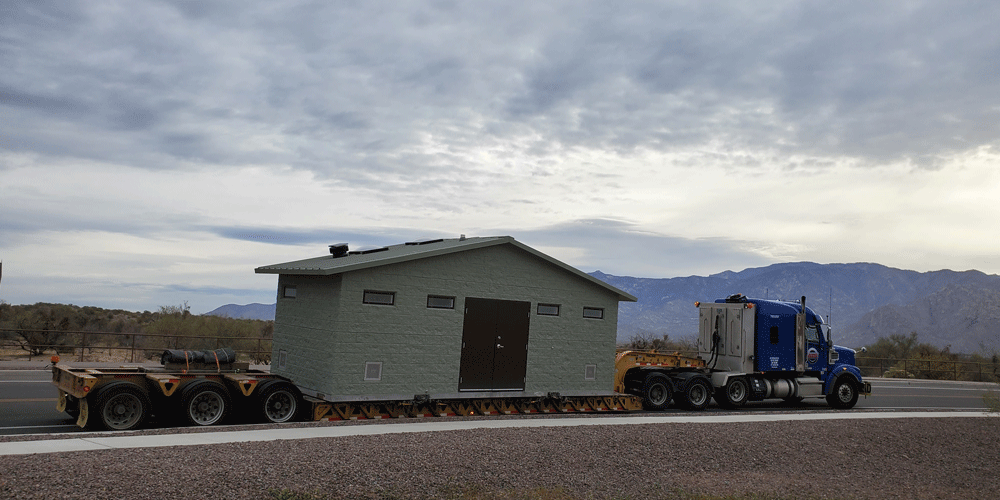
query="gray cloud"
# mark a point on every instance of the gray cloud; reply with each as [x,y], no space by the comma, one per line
[359,85]
[618,247]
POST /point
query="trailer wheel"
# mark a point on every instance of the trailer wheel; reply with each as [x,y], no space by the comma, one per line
[278,401]
[656,391]
[121,406]
[205,402]
[697,394]
[844,394]
[734,394]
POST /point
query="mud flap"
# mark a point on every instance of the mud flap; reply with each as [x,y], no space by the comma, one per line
[61,402]
[81,421]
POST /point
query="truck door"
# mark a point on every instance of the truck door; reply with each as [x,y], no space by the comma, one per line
[815,349]
[494,345]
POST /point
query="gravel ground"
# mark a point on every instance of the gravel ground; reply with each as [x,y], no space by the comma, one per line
[865,459]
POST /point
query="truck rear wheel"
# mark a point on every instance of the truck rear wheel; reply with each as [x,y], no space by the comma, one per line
[121,406]
[844,394]
[278,401]
[697,394]
[734,394]
[656,391]
[205,402]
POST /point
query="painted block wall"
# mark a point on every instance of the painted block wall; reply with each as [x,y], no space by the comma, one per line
[420,347]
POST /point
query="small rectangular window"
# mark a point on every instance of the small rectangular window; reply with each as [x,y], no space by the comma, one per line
[590,372]
[288,292]
[380,298]
[373,370]
[548,309]
[440,302]
[593,312]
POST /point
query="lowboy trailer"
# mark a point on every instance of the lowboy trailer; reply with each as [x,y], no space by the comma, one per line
[209,392]
[749,349]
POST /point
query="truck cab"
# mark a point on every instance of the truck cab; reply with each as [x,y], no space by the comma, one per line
[761,349]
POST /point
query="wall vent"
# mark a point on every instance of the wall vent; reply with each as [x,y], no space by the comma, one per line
[373,370]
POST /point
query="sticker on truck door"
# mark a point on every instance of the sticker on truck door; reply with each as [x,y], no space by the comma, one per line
[812,355]
[774,361]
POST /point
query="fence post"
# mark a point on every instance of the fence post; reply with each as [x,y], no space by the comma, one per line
[132,358]
[83,342]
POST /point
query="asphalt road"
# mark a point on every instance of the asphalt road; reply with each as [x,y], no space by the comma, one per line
[27,400]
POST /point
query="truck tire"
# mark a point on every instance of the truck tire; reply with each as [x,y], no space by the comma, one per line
[657,392]
[734,394]
[697,394]
[844,394]
[204,402]
[119,406]
[278,401]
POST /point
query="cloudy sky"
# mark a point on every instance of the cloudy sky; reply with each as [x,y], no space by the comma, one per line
[156,152]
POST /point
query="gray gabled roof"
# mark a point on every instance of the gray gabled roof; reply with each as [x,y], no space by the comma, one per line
[355,260]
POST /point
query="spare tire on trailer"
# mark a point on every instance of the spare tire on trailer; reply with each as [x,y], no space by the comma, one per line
[204,402]
[278,401]
[118,406]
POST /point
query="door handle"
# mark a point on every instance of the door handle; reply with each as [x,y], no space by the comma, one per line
[499,346]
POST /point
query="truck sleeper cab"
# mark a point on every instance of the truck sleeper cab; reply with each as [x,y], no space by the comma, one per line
[762,349]
[748,350]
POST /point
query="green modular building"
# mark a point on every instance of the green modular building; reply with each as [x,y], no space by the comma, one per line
[445,318]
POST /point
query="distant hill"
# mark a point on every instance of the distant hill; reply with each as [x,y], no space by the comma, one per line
[863,302]
[249,311]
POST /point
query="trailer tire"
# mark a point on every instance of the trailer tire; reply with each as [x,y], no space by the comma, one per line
[119,406]
[697,394]
[657,391]
[734,394]
[278,401]
[205,402]
[844,394]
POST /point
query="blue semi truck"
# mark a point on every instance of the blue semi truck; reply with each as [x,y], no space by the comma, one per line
[748,350]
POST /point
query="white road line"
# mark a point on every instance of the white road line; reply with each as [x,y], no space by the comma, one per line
[202,438]
[19,427]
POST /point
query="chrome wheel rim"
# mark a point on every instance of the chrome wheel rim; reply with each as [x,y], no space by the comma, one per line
[206,408]
[279,407]
[122,411]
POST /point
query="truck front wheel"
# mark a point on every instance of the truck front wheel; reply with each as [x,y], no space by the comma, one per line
[844,394]
[734,394]
[656,391]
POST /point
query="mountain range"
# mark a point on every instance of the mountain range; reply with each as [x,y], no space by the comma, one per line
[862,301]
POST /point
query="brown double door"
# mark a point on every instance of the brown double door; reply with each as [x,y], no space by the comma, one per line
[494,345]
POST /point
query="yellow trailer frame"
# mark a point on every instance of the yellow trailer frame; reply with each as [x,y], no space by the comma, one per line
[76,384]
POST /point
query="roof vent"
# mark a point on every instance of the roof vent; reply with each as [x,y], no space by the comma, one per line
[338,250]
